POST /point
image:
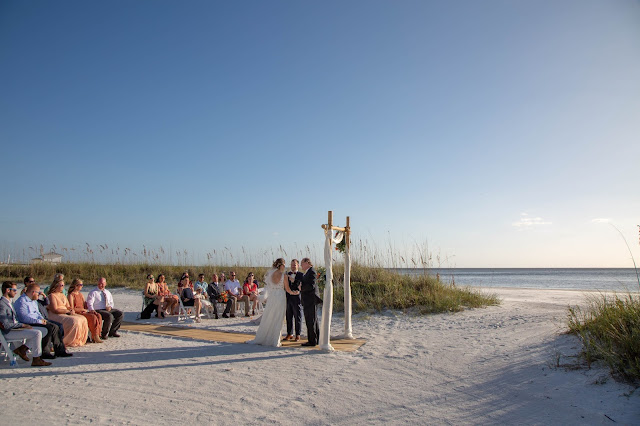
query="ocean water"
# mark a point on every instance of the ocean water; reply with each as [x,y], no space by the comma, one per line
[605,279]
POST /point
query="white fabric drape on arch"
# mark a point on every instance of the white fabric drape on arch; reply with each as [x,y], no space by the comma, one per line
[327,303]
[327,299]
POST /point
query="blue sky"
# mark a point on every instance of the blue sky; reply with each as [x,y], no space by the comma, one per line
[493,133]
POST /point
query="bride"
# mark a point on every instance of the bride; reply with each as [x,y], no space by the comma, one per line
[277,282]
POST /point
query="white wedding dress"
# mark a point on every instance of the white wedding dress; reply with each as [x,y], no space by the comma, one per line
[270,330]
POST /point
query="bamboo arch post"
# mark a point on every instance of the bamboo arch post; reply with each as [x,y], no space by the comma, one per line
[347,282]
[327,307]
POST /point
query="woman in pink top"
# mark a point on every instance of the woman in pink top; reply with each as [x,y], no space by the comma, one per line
[170,300]
[250,289]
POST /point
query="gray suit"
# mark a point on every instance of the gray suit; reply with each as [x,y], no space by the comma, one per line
[13,329]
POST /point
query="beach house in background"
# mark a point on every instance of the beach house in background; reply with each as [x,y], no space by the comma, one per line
[50,257]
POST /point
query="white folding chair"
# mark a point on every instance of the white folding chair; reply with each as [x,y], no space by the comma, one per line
[182,312]
[8,352]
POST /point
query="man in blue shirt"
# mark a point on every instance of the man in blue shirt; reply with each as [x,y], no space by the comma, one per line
[28,313]
[43,302]
[201,283]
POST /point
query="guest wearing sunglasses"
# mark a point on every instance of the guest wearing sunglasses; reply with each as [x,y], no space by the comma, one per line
[28,312]
[11,327]
[250,290]
[76,328]
[79,306]
[234,291]
[170,306]
[188,297]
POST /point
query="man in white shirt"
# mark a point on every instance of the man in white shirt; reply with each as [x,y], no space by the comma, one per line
[234,291]
[101,301]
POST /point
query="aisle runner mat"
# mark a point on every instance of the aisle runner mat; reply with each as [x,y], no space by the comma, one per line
[343,345]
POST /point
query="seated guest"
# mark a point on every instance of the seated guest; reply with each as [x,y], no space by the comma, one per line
[79,306]
[43,301]
[181,286]
[188,297]
[183,283]
[76,328]
[215,295]
[201,283]
[250,289]
[11,328]
[101,301]
[170,300]
[234,291]
[186,280]
[27,312]
[58,278]
[202,286]
[152,299]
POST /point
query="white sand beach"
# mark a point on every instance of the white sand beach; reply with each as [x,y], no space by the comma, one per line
[482,366]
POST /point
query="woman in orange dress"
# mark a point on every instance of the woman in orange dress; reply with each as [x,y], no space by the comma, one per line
[170,300]
[78,306]
[76,328]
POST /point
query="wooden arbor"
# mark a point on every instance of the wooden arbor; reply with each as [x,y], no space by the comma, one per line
[327,306]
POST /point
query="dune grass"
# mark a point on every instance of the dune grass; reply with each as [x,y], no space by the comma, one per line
[609,328]
[373,289]
[376,289]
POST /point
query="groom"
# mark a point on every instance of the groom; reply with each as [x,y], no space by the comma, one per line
[310,300]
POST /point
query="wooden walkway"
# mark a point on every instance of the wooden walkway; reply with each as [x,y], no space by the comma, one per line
[343,345]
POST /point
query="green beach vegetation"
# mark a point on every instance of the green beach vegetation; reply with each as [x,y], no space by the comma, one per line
[372,288]
[376,284]
[609,329]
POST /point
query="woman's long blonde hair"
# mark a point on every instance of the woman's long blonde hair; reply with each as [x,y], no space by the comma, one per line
[56,279]
[74,284]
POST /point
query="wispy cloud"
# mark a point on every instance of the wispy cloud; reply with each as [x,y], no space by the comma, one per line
[527,221]
[601,220]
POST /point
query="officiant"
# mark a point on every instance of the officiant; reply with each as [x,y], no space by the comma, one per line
[294,302]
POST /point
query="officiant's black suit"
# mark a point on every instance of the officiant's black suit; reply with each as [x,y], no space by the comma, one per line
[310,300]
[294,306]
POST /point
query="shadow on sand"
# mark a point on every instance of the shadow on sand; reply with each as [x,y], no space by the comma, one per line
[142,358]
